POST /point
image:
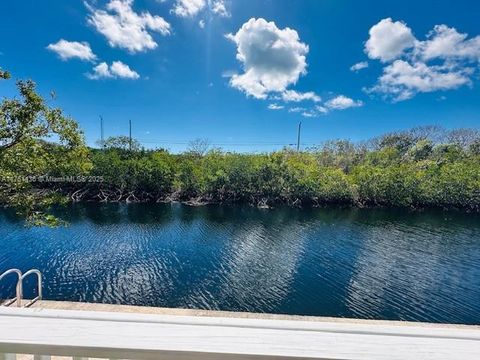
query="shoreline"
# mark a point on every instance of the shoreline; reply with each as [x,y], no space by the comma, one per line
[271,204]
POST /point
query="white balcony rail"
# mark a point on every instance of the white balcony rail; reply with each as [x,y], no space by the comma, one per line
[97,334]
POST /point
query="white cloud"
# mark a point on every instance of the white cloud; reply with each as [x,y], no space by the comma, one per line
[321,109]
[309,114]
[191,8]
[359,66]
[121,70]
[188,8]
[229,73]
[388,40]
[72,49]
[295,96]
[342,102]
[126,29]
[402,80]
[456,58]
[447,43]
[218,7]
[101,71]
[201,23]
[276,107]
[116,70]
[272,58]
[297,109]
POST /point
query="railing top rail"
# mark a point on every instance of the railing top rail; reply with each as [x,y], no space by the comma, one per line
[32,271]
[110,335]
[11,271]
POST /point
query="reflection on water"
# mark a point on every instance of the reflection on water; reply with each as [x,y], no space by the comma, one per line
[375,264]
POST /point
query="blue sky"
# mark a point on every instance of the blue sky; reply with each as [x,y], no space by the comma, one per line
[243,73]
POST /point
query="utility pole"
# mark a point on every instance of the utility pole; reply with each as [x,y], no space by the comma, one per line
[102,140]
[299,133]
[130,136]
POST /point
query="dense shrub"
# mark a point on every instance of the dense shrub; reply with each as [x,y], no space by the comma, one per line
[409,169]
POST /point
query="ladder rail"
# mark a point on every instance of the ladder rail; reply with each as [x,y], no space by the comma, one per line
[19,288]
[39,285]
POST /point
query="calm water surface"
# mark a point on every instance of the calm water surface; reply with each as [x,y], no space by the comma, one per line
[375,264]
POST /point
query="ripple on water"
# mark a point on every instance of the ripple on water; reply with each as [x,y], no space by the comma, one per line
[374,264]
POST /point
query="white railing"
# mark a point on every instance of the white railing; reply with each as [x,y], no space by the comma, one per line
[38,357]
[143,336]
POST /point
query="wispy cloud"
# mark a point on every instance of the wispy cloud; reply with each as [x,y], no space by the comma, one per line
[67,50]
[188,8]
[342,102]
[124,28]
[116,70]
[295,96]
[191,8]
[275,107]
[359,66]
[297,109]
[229,73]
[219,8]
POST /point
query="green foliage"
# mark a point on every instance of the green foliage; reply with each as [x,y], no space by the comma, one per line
[474,148]
[122,143]
[316,184]
[420,167]
[26,155]
[395,185]
[5,75]
[452,184]
[421,150]
[423,174]
[150,172]
[341,154]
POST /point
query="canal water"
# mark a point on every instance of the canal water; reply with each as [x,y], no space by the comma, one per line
[356,263]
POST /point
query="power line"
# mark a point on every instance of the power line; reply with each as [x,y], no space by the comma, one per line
[167,142]
[220,143]
[184,143]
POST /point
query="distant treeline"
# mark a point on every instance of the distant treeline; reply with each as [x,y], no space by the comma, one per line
[44,161]
[422,167]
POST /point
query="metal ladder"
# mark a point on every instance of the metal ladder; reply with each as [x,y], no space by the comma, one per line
[19,288]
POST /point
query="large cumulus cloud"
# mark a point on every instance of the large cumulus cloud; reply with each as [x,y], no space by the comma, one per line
[272,58]
[445,60]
